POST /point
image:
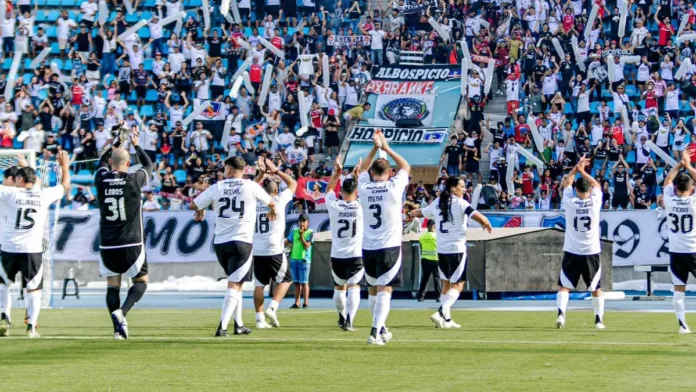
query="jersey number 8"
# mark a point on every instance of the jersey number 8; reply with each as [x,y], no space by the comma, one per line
[684,224]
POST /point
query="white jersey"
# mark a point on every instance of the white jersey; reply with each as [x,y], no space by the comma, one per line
[346,220]
[451,235]
[234,204]
[681,211]
[582,222]
[381,203]
[269,234]
[25,216]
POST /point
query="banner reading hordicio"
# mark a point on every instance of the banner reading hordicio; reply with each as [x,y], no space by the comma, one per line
[407,88]
[399,135]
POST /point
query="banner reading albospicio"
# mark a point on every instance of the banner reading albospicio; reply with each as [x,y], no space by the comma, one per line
[640,237]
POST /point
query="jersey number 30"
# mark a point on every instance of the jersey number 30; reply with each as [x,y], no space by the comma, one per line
[684,224]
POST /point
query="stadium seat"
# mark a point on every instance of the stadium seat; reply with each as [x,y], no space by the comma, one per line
[7,64]
[58,62]
[67,3]
[40,18]
[180,176]
[151,96]
[26,78]
[150,4]
[147,64]
[144,33]
[132,18]
[67,66]
[147,15]
[53,3]
[53,15]
[194,3]
[54,48]
[146,111]
[631,91]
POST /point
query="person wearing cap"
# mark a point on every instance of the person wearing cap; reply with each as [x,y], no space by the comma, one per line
[428,262]
[301,240]
[475,84]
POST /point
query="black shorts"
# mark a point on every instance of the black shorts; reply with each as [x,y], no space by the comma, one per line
[140,91]
[619,201]
[244,12]
[575,266]
[452,267]
[383,266]
[271,268]
[130,261]
[680,264]
[273,10]
[29,264]
[347,271]
[235,259]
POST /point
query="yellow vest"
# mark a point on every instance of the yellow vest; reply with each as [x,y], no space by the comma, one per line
[428,244]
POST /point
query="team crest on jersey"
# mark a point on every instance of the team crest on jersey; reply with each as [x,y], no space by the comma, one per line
[404,108]
[212,111]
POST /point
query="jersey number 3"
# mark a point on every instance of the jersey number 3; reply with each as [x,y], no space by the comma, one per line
[377,215]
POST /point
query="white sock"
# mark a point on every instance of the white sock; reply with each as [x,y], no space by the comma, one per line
[260,317]
[339,298]
[33,300]
[4,298]
[382,305]
[679,309]
[371,300]
[238,310]
[562,302]
[447,302]
[353,302]
[273,305]
[598,305]
[228,306]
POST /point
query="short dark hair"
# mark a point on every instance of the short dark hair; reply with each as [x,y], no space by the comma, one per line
[582,185]
[236,163]
[270,186]
[349,185]
[303,218]
[379,167]
[683,182]
[10,172]
[27,174]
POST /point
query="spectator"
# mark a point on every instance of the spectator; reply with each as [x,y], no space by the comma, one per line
[428,263]
[301,240]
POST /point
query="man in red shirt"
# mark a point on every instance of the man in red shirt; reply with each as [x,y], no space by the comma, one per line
[255,74]
[77,93]
[527,180]
[277,40]
[666,30]
[617,133]
[521,130]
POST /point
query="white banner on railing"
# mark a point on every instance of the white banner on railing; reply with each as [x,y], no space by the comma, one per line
[640,237]
[169,236]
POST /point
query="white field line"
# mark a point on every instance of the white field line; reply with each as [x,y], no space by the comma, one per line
[308,340]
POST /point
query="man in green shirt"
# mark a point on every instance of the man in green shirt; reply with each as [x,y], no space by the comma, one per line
[301,238]
[428,245]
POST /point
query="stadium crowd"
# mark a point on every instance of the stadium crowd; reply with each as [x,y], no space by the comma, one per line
[96,82]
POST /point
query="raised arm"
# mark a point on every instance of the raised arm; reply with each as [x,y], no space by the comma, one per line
[371,155]
[686,164]
[400,161]
[583,163]
[287,179]
[64,161]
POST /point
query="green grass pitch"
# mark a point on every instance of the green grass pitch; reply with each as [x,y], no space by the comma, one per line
[173,350]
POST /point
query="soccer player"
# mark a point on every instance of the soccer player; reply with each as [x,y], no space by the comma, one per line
[680,205]
[380,198]
[581,246]
[9,175]
[451,212]
[346,219]
[121,240]
[234,202]
[25,208]
[270,262]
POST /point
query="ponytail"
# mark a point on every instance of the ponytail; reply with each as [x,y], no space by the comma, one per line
[446,198]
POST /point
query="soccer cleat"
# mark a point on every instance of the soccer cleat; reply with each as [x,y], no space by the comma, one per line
[31,332]
[385,335]
[599,326]
[450,324]
[341,321]
[220,333]
[262,325]
[295,306]
[120,323]
[242,330]
[117,336]
[560,322]
[684,330]
[5,325]
[271,315]
[438,320]
[305,306]
[377,341]
[348,327]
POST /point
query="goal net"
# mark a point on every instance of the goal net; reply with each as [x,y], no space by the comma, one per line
[49,173]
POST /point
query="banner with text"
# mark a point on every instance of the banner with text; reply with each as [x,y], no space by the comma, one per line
[170,237]
[348,40]
[425,72]
[407,88]
[395,107]
[400,135]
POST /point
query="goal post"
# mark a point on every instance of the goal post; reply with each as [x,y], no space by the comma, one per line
[49,173]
